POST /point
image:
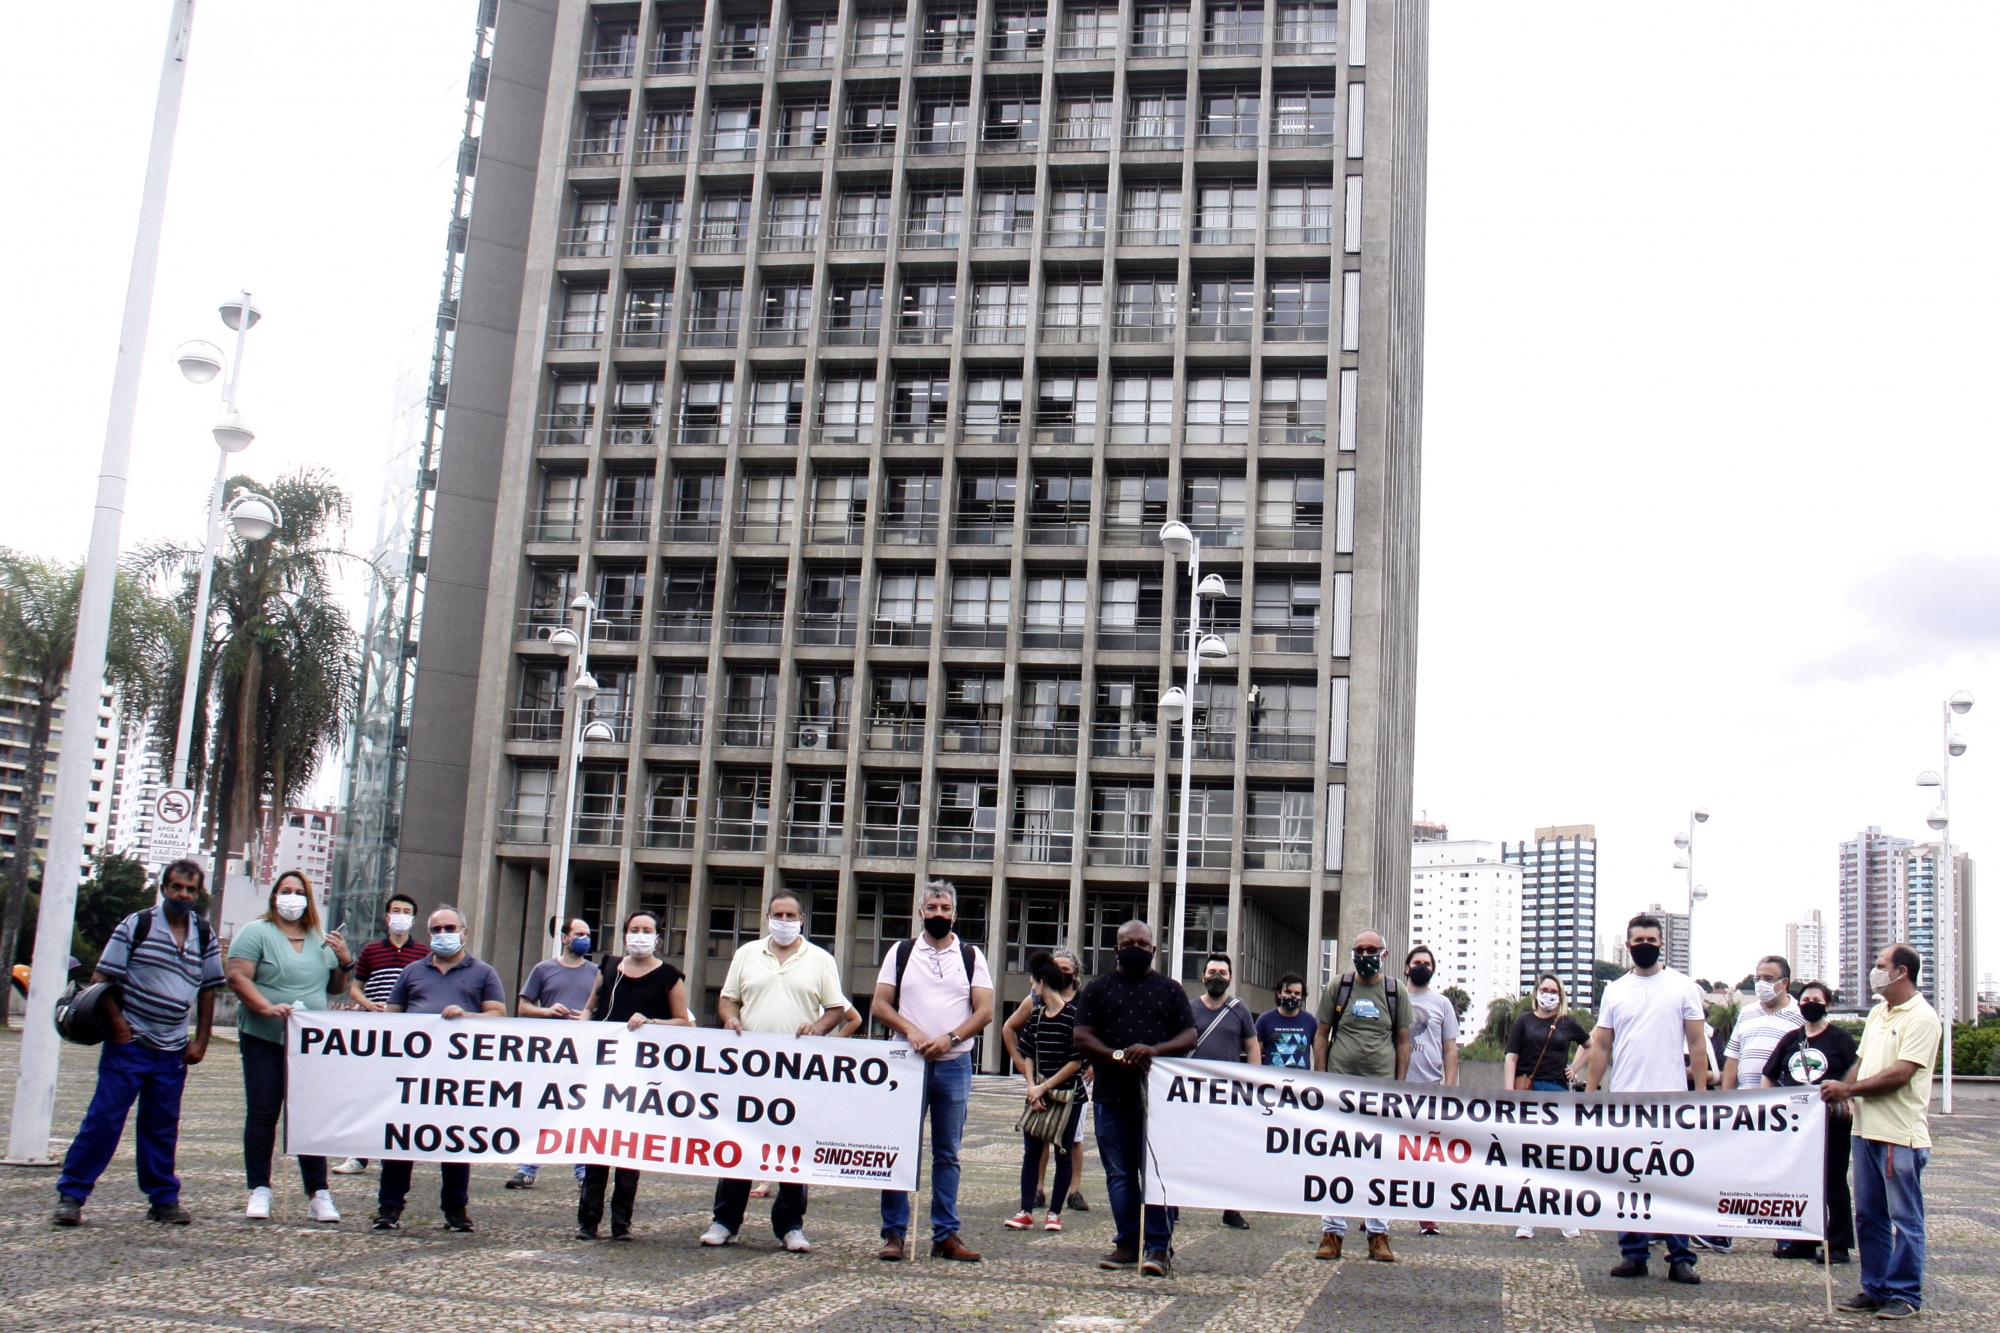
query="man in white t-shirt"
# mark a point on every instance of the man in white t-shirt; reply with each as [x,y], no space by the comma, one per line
[937,994]
[1650,1038]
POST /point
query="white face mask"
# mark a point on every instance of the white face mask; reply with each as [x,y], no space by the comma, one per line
[291,906]
[446,943]
[1546,1001]
[1767,991]
[1878,979]
[783,932]
[400,923]
[640,946]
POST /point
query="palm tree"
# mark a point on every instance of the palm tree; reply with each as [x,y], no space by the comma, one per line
[280,664]
[38,608]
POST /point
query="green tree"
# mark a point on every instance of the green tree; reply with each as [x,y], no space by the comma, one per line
[280,665]
[116,888]
[38,609]
[1460,1001]
[1602,974]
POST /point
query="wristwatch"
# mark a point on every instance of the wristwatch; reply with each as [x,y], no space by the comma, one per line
[1119,1055]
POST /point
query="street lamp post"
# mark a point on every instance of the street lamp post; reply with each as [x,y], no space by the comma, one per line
[1685,861]
[582,692]
[1944,967]
[1177,705]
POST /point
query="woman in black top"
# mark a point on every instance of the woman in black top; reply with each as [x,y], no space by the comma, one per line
[1538,1045]
[1803,1057]
[1047,1058]
[635,990]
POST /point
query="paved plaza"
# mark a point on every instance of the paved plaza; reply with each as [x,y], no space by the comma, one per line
[521,1270]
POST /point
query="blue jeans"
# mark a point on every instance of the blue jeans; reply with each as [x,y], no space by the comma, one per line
[947,1091]
[1639,1245]
[1889,1219]
[127,1073]
[1121,1143]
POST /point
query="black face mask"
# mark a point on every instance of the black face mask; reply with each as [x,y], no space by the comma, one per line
[1644,955]
[177,907]
[1135,962]
[1813,1010]
[1367,964]
[1289,1003]
[1217,987]
[937,927]
[1421,975]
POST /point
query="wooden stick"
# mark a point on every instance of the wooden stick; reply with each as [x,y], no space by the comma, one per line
[1826,1266]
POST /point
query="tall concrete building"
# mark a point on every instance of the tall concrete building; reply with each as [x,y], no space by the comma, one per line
[1558,905]
[1805,949]
[850,358]
[1914,894]
[103,745]
[1871,912]
[1465,905]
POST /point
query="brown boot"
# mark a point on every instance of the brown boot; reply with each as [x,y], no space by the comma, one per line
[1378,1248]
[892,1249]
[1124,1256]
[951,1247]
[1329,1246]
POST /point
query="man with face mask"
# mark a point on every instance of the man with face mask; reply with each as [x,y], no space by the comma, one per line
[1892,1138]
[1126,1019]
[1651,1018]
[1286,1033]
[375,971]
[1228,1032]
[1758,1031]
[1364,1031]
[559,987]
[1433,1033]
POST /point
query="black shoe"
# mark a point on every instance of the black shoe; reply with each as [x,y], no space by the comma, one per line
[456,1220]
[1859,1303]
[1232,1218]
[1630,1268]
[586,1233]
[1897,1309]
[1683,1273]
[1838,1257]
[1793,1249]
[1077,1203]
[389,1219]
[1041,1198]
[1715,1244]
[1158,1263]
[69,1212]
[171,1213]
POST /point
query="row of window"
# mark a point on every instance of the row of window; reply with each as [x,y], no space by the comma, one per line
[1290,508]
[992,408]
[1276,819]
[950,34]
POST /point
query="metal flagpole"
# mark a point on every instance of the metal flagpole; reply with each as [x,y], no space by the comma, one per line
[35,1089]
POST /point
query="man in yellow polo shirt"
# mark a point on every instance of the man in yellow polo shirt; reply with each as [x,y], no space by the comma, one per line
[780,983]
[1892,1137]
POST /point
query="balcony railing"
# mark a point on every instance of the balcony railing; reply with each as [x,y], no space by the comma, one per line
[1203,332]
[1294,747]
[888,840]
[784,335]
[958,736]
[1236,43]
[905,734]
[552,529]
[720,238]
[1021,233]
[597,150]
[1285,137]
[1085,46]
[925,335]
[981,330]
[529,825]
[798,151]
[1045,738]
[1118,849]
[1072,333]
[1142,333]
[1304,432]
[1273,854]
[1312,229]
[624,529]
[868,143]
[762,529]
[814,731]
[538,622]
[1295,333]
[904,432]
[1153,141]
[1297,537]
[813,840]
[589,240]
[1210,745]
[617,626]
[850,335]
[843,432]
[813,53]
[1009,144]
[976,636]
[1124,740]
[1207,235]
[876,51]
[1149,235]
[535,724]
[597,830]
[1047,849]
[662,150]
[1044,634]
[982,531]
[860,236]
[732,146]
[956,48]
[674,729]
[837,531]
[898,532]
[1229,138]
[929,238]
[824,628]
[708,333]
[961,844]
[742,57]
[1065,433]
[740,835]
[1094,138]
[1159,50]
[934,146]
[1308,40]
[566,429]
[1058,532]
[691,529]
[901,633]
[670,831]
[1266,639]
[1131,534]
[577,333]
[753,730]
[613,62]
[757,627]
[1074,232]
[682,56]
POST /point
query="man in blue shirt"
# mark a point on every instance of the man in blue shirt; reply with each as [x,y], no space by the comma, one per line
[165,963]
[451,983]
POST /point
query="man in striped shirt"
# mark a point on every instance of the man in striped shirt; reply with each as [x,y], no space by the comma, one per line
[375,972]
[165,963]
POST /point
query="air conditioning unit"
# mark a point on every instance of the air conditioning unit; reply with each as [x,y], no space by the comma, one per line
[812,738]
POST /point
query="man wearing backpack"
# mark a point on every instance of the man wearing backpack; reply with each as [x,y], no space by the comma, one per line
[164,962]
[1364,1031]
[937,994]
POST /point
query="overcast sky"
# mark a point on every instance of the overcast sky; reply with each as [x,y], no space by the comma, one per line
[1709,469]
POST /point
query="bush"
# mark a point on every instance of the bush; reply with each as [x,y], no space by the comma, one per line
[1974,1046]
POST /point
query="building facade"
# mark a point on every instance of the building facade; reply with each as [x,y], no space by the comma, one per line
[1872,913]
[1914,894]
[1805,949]
[1465,905]
[107,809]
[849,359]
[1558,905]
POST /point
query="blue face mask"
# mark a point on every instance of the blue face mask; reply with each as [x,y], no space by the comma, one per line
[176,907]
[579,945]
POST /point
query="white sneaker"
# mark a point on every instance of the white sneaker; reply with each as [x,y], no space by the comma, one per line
[717,1234]
[1571,1233]
[321,1207]
[353,1166]
[796,1242]
[1524,1233]
[260,1203]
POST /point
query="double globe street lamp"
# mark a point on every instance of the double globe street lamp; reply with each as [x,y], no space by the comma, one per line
[1944,907]
[580,695]
[1684,842]
[1177,705]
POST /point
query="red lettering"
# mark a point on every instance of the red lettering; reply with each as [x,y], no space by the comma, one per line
[569,1145]
[548,1140]
[655,1145]
[590,1143]
[1434,1150]
[697,1152]
[728,1154]
[625,1143]
[676,1150]
[1409,1148]
[1460,1150]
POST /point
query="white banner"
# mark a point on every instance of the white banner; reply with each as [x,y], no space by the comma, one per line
[1288,1141]
[688,1101]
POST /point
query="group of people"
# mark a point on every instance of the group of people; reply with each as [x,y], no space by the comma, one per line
[1074,1044]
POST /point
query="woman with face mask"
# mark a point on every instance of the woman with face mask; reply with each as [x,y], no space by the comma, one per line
[636,989]
[1805,1057]
[1048,1060]
[280,962]
[1538,1052]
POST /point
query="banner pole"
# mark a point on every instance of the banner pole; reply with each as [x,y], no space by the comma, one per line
[1826,1266]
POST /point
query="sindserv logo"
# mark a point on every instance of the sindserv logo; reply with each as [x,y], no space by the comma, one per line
[856,1161]
[1767,1210]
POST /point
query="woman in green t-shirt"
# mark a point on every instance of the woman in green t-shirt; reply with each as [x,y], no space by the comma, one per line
[280,962]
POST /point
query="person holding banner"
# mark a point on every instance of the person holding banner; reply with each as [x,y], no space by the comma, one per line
[561,987]
[1125,1020]
[1364,1030]
[278,963]
[1651,1018]
[1052,1067]
[1805,1057]
[781,983]
[376,968]
[450,983]
[1433,1033]
[637,989]
[1543,1039]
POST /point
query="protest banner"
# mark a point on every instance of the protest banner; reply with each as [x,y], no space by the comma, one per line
[1264,1139]
[687,1101]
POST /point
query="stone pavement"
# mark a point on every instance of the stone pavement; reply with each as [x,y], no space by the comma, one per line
[522,1271]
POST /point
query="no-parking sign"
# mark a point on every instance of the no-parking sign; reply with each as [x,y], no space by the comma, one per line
[173,826]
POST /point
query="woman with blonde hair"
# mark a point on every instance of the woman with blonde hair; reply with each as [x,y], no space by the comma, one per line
[1538,1052]
[280,962]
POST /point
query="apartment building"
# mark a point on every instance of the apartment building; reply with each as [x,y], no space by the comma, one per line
[107,812]
[1558,905]
[1465,905]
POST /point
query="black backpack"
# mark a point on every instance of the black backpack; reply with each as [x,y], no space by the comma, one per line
[903,950]
[143,928]
[1346,993]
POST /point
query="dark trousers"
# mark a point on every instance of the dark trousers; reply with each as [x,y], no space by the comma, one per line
[590,1199]
[453,1194]
[1063,1150]
[1639,1245]
[1839,1201]
[1121,1142]
[264,1098]
[127,1073]
[788,1212]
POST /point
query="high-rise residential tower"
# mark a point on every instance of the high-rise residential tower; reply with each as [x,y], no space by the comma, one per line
[849,357]
[1914,903]
[1806,950]
[1558,905]
[1872,914]
[1465,905]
